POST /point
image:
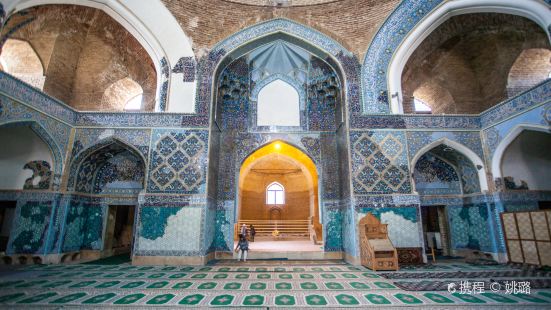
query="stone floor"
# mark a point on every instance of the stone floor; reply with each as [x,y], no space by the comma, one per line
[282,284]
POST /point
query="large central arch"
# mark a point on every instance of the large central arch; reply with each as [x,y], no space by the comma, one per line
[295,214]
[227,97]
[291,170]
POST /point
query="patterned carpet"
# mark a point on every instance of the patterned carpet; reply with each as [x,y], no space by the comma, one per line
[229,284]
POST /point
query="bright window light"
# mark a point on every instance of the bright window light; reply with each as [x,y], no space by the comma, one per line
[134,104]
[278,105]
[421,106]
[275,194]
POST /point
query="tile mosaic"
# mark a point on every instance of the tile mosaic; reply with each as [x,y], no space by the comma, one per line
[470,227]
[186,66]
[178,161]
[42,170]
[379,162]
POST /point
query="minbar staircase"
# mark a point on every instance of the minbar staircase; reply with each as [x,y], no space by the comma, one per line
[288,229]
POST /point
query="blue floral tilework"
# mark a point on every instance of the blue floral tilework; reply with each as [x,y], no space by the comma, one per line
[379,162]
[178,162]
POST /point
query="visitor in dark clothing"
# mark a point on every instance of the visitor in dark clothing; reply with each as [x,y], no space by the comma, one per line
[242,247]
[253,232]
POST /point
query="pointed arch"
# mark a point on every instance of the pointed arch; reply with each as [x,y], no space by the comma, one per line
[119,93]
[279,103]
[55,150]
[390,53]
[155,28]
[275,194]
[252,153]
[244,41]
[84,155]
[507,140]
[288,181]
[472,156]
[19,58]
[285,78]
[530,68]
[284,149]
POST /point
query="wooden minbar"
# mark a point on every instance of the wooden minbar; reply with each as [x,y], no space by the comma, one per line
[377,251]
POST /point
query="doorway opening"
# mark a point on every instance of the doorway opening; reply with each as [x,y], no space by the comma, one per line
[120,229]
[7,215]
[278,196]
[435,230]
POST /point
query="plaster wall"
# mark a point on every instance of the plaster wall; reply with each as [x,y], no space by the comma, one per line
[528,158]
[297,198]
[20,145]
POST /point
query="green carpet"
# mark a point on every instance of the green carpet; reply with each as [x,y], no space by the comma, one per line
[113,260]
[104,283]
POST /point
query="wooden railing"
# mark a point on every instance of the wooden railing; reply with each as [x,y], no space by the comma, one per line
[287,228]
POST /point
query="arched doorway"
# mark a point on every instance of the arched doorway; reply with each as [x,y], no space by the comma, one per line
[526,162]
[447,169]
[278,195]
[103,225]
[27,163]
[276,54]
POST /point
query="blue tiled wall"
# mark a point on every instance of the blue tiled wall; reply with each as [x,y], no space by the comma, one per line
[363,166]
[471,227]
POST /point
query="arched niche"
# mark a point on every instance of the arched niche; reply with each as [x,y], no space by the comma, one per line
[109,167]
[156,29]
[83,52]
[286,166]
[117,96]
[26,160]
[435,175]
[474,164]
[530,68]
[284,62]
[278,105]
[533,10]
[523,155]
[433,95]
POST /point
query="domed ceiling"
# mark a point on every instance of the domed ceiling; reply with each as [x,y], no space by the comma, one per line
[282,2]
[353,23]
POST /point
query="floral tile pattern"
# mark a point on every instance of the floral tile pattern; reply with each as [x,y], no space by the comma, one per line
[158,288]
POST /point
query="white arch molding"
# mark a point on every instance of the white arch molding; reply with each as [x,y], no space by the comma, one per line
[534,10]
[152,24]
[472,156]
[508,139]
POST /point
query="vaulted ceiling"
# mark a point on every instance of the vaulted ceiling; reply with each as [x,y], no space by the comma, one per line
[83,52]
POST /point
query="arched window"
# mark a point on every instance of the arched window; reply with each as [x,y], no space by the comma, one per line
[275,194]
[123,95]
[20,59]
[531,67]
[421,106]
[134,104]
[278,105]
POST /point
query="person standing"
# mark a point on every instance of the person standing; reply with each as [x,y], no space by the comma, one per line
[253,232]
[244,230]
[242,248]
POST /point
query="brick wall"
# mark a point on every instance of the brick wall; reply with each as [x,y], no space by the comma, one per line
[83,52]
[463,65]
[353,23]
